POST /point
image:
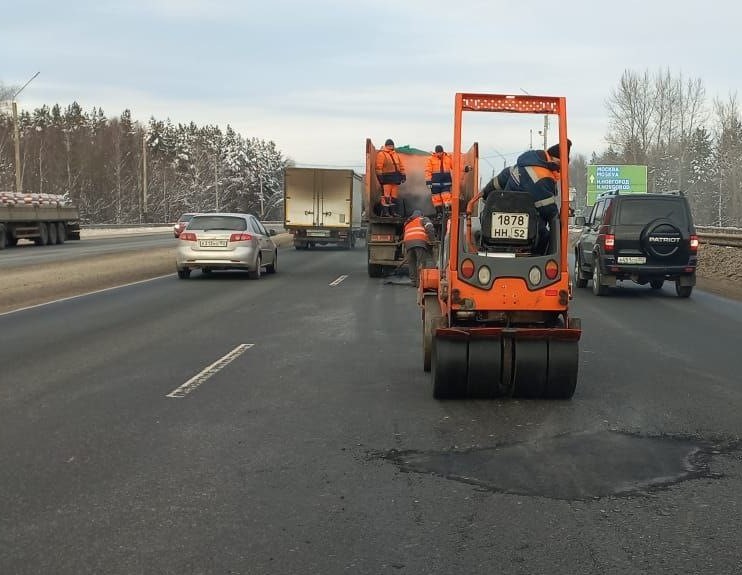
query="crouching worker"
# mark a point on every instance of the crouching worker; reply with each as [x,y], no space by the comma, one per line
[419,234]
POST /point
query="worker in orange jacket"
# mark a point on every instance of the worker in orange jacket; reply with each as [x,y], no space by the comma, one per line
[419,234]
[390,172]
[438,178]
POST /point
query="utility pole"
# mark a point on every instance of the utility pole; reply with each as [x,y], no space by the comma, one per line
[546,126]
[216,181]
[144,176]
[17,136]
[262,199]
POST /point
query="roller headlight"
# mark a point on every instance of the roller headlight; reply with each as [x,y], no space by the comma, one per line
[484,275]
[534,276]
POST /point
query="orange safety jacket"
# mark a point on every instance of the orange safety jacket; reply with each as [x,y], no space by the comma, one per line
[389,167]
[417,232]
[438,169]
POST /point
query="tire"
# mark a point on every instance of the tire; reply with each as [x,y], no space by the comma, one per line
[656,284]
[61,233]
[257,272]
[580,279]
[184,274]
[43,238]
[52,227]
[375,270]
[683,291]
[3,237]
[271,268]
[432,319]
[598,288]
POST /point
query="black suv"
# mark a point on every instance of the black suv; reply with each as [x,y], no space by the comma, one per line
[646,238]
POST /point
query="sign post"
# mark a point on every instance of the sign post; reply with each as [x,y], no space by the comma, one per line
[625,178]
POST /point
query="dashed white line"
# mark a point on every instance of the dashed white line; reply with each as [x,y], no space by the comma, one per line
[338,280]
[207,372]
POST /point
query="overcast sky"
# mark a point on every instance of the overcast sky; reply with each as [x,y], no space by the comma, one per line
[319,77]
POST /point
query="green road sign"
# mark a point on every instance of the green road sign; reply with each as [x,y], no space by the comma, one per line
[627,179]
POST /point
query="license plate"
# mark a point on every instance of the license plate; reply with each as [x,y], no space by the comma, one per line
[212,243]
[509,226]
[632,260]
[318,233]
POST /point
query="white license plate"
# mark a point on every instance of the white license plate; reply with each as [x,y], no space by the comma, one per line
[212,243]
[318,233]
[632,260]
[509,226]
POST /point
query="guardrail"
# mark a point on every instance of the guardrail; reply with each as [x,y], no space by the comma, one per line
[154,225]
[729,237]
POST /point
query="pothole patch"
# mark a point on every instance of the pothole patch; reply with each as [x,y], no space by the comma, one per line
[571,467]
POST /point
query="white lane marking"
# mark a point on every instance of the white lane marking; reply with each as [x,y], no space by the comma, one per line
[338,280]
[84,295]
[207,372]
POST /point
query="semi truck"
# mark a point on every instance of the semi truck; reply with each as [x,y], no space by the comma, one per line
[42,218]
[323,206]
[385,234]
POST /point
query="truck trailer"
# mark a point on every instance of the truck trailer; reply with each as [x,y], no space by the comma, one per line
[42,218]
[323,206]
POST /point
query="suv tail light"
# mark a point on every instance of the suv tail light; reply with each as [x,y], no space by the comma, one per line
[694,244]
[242,237]
[609,241]
[187,236]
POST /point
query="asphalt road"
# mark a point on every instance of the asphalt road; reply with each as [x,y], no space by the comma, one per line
[318,449]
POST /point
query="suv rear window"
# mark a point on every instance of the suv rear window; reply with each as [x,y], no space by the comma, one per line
[640,211]
[218,223]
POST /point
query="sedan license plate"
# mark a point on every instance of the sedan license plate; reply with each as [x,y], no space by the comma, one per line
[212,243]
[632,260]
[509,226]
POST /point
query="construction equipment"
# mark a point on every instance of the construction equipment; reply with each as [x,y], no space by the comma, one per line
[385,234]
[495,313]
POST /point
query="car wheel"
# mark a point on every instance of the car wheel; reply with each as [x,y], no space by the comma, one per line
[184,273]
[271,269]
[580,279]
[256,273]
[598,287]
[656,284]
[683,291]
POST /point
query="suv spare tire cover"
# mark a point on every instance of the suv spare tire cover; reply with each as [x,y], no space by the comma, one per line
[661,238]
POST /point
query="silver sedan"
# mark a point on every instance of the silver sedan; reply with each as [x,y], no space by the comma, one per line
[225,241]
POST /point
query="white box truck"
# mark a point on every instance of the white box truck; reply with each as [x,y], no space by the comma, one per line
[323,206]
